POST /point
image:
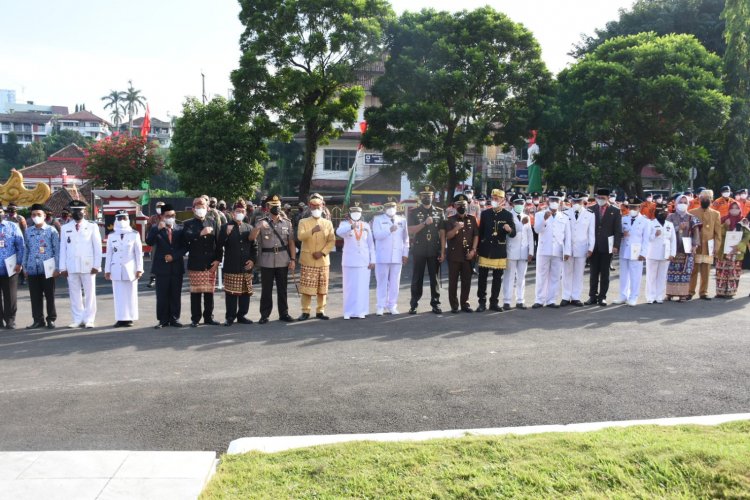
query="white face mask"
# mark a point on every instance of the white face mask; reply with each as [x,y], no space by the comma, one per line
[649,199]
[158,210]
[122,224]
[390,212]
[37,220]
[601,202]
[169,221]
[200,212]
[355,216]
[734,212]
[535,202]
[612,199]
[743,196]
[239,216]
[634,212]
[682,207]
[725,194]
[494,204]
[316,213]
[554,205]
[469,196]
[577,207]
[518,209]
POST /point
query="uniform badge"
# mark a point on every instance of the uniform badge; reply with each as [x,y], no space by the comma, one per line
[41,250]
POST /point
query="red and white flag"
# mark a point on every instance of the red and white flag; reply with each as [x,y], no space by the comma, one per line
[146,125]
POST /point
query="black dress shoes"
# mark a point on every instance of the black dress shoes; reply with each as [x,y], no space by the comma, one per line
[303,317]
[521,306]
[496,308]
[286,318]
[591,302]
[413,310]
[159,326]
[455,310]
[603,303]
[322,316]
[262,321]
[35,324]
[211,322]
[705,297]
[194,324]
[576,303]
[467,309]
[437,310]
[481,308]
[553,306]
[537,305]
[227,323]
[244,321]
[175,324]
[51,325]
[506,307]
[564,303]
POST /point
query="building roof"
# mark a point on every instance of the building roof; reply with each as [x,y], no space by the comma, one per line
[25,117]
[84,115]
[62,197]
[367,75]
[155,122]
[380,183]
[70,157]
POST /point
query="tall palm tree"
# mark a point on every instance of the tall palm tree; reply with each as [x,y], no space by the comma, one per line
[134,101]
[115,101]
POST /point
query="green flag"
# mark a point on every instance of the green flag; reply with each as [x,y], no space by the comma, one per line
[350,182]
[146,198]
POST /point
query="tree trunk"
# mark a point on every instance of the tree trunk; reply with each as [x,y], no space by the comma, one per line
[311,147]
[452,180]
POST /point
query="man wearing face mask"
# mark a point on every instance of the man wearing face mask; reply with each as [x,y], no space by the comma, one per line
[741,197]
[277,257]
[200,239]
[636,231]
[11,247]
[213,212]
[42,244]
[357,262]
[462,234]
[607,233]
[318,239]
[169,267]
[495,226]
[472,207]
[427,224]
[583,239]
[520,251]
[648,207]
[391,254]
[124,266]
[553,227]
[237,245]
[710,244]
[662,249]
[721,204]
[64,218]
[153,221]
[80,261]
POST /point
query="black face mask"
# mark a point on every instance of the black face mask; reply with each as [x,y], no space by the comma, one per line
[212,205]
[275,210]
[661,217]
[77,215]
[461,210]
[426,201]
[705,204]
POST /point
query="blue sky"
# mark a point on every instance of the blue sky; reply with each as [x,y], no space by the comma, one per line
[65,52]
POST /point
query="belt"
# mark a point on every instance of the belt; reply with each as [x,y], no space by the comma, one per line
[273,250]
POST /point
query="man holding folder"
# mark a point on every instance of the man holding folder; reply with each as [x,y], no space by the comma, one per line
[40,264]
[11,253]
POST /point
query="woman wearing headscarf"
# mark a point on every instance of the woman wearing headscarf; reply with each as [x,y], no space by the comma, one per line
[729,265]
[688,232]
[124,266]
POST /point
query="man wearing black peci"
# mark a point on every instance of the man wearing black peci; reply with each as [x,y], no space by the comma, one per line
[167,266]
[608,233]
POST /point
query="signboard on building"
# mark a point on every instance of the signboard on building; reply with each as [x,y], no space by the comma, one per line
[522,174]
[374,159]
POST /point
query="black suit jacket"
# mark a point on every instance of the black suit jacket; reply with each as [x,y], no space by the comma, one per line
[609,225]
[237,248]
[159,239]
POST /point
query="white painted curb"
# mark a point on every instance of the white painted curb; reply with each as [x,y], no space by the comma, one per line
[281,443]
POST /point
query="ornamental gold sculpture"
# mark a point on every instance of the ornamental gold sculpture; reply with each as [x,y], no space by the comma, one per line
[14,191]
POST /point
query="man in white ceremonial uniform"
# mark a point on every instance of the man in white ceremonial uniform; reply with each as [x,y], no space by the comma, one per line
[583,239]
[357,260]
[636,232]
[123,265]
[520,251]
[391,254]
[554,247]
[80,261]
[662,249]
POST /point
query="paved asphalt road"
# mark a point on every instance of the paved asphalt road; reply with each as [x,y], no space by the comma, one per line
[197,389]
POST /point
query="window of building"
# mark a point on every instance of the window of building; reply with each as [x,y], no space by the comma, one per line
[338,159]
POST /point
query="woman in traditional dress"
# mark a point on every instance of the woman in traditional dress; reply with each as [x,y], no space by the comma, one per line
[729,265]
[680,269]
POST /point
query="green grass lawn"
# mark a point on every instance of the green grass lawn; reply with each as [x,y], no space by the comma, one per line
[641,462]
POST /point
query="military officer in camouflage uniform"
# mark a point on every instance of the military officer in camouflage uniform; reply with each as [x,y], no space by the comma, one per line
[427,223]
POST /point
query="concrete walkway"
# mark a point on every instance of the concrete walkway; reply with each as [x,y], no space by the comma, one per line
[90,475]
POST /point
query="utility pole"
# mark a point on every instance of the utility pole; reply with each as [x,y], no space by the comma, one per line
[203,79]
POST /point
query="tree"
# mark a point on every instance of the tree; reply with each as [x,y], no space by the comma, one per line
[214,151]
[735,157]
[11,149]
[59,139]
[298,64]
[122,162]
[115,102]
[701,18]
[453,81]
[31,154]
[284,168]
[134,101]
[639,100]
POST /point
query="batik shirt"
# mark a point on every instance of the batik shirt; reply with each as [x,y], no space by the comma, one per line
[42,243]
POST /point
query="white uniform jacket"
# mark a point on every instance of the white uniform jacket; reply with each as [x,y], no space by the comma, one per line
[357,253]
[390,247]
[554,234]
[664,246]
[521,247]
[582,232]
[124,256]
[80,251]
[639,233]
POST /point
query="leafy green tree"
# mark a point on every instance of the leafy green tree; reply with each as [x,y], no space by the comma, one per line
[134,101]
[11,150]
[214,151]
[639,100]
[115,102]
[298,65]
[31,154]
[736,151]
[453,81]
[701,18]
[284,168]
[59,139]
[122,162]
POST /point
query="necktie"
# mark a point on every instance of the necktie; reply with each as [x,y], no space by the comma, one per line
[169,234]
[78,225]
[576,215]
[632,220]
[519,216]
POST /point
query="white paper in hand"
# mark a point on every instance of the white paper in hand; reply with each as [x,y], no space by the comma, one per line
[687,244]
[10,265]
[49,268]
[711,245]
[635,251]
[611,243]
[731,240]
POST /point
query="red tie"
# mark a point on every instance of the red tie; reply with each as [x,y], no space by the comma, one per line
[169,234]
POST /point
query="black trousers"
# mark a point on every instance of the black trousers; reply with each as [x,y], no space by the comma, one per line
[9,304]
[237,306]
[599,268]
[456,270]
[269,275]
[168,291]
[41,289]
[497,281]
[207,312]
[417,279]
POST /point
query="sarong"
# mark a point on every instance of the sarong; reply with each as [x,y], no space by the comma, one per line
[728,272]
[492,263]
[202,281]
[678,275]
[238,284]
[313,280]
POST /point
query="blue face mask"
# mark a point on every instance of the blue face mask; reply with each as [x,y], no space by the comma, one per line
[518,208]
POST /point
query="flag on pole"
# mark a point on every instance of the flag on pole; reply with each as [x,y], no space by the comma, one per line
[146,125]
[353,170]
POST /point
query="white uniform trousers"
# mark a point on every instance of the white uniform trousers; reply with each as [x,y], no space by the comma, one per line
[388,277]
[572,283]
[631,272]
[515,279]
[82,308]
[125,295]
[548,274]
[356,291]
[656,279]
